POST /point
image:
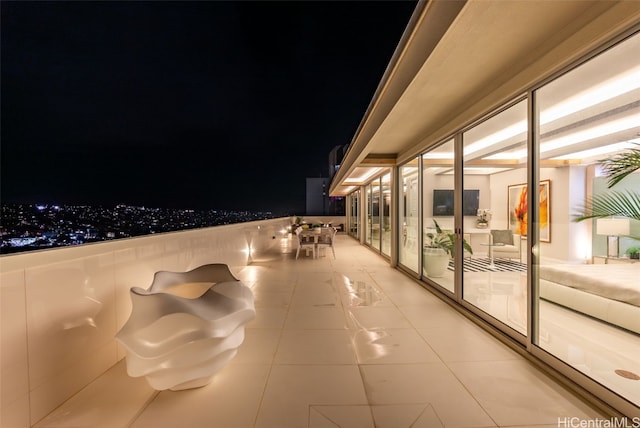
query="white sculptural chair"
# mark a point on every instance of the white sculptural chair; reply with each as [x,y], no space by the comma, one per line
[186,326]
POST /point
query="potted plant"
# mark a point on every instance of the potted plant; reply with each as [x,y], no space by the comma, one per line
[633,252]
[438,249]
[297,223]
[482,218]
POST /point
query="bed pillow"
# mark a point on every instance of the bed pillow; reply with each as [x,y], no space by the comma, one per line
[502,237]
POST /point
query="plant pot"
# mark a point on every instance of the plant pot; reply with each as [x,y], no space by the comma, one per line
[436,261]
[635,256]
[482,225]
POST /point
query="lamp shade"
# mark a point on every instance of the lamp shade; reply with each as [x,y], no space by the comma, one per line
[613,226]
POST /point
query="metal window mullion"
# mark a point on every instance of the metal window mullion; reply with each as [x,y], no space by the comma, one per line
[420,230]
[458,219]
[380,213]
[533,219]
[394,216]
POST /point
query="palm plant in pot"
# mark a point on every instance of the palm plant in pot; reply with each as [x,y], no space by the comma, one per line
[438,249]
[615,203]
[625,204]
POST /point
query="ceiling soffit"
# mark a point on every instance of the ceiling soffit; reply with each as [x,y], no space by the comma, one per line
[428,23]
[491,52]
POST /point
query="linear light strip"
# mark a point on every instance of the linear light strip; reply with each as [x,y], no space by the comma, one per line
[612,88]
[623,124]
[619,85]
[599,151]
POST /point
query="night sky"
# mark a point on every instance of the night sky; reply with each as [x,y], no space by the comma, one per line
[222,105]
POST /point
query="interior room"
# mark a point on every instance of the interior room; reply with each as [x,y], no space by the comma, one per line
[588,285]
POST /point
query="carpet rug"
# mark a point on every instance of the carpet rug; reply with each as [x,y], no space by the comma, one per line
[480,265]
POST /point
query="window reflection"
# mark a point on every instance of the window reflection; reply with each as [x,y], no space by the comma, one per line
[408,209]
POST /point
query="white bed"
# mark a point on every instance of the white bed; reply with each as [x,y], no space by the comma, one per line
[607,292]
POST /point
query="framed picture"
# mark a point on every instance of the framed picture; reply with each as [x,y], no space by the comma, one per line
[517,206]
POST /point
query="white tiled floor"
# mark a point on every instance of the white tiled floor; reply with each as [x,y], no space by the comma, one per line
[345,343]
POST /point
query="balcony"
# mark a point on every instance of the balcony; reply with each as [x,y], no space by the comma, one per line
[344,342]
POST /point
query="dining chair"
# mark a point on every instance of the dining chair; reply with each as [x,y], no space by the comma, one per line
[326,239]
[304,243]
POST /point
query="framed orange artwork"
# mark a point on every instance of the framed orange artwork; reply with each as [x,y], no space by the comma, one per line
[517,206]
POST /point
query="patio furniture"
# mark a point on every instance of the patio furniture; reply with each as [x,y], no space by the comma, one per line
[326,240]
[306,240]
[492,246]
[511,247]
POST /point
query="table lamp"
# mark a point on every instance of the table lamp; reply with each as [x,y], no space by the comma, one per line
[613,228]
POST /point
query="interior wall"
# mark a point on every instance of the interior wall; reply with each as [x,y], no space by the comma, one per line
[569,240]
[482,183]
[498,205]
[445,181]
[561,239]
[579,233]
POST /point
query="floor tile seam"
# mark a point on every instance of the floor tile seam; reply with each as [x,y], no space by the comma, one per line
[316,328]
[370,400]
[310,406]
[272,363]
[412,323]
[433,349]
[154,395]
[387,365]
[262,394]
[323,365]
[281,364]
[415,287]
[446,366]
[516,357]
[466,388]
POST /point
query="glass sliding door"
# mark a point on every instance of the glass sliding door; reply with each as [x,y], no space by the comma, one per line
[375,214]
[353,214]
[588,115]
[494,212]
[385,198]
[368,206]
[408,207]
[438,208]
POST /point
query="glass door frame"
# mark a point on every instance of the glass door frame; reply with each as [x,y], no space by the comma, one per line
[399,198]
[386,207]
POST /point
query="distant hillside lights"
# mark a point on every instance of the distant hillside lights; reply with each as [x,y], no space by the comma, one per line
[40,226]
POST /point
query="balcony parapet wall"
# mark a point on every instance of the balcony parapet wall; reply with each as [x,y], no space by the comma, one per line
[61,308]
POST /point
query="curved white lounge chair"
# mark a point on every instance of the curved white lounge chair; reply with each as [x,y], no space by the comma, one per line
[186,326]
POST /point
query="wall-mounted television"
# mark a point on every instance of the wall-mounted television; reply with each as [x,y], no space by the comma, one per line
[443,202]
